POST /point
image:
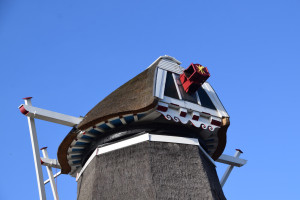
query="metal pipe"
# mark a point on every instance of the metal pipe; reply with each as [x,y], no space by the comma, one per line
[55,175]
[49,116]
[36,153]
[50,174]
[230,160]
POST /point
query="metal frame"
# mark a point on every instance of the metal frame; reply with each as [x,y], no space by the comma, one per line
[160,83]
[46,115]
[230,167]
[214,97]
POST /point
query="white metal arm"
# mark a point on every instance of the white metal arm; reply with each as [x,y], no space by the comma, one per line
[231,160]
[50,162]
[49,116]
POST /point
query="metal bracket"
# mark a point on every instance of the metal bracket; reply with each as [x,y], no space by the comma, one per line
[232,162]
[38,113]
[50,162]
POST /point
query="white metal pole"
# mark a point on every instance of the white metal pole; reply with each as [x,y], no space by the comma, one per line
[50,175]
[54,176]
[36,153]
[229,168]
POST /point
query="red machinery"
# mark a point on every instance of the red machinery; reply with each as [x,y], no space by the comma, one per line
[193,77]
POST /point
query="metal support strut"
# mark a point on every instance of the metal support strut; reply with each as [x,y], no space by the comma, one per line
[50,175]
[36,153]
[54,176]
[229,168]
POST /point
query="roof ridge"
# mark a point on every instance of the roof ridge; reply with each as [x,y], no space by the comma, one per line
[165,57]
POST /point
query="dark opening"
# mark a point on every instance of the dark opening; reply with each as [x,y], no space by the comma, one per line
[189,71]
[170,88]
[205,100]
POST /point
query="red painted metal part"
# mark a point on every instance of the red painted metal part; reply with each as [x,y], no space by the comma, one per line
[215,122]
[25,98]
[43,148]
[162,108]
[23,110]
[182,114]
[193,77]
[195,117]
[239,150]
[42,162]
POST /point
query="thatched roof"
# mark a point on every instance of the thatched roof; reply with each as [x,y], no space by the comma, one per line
[134,96]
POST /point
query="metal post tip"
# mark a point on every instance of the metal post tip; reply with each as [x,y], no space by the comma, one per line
[26,98]
[239,150]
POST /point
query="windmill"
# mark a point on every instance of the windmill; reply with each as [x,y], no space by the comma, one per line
[158,136]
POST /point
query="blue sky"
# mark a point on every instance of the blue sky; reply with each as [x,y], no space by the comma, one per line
[69,55]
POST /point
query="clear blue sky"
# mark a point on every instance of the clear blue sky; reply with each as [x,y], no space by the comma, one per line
[70,54]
